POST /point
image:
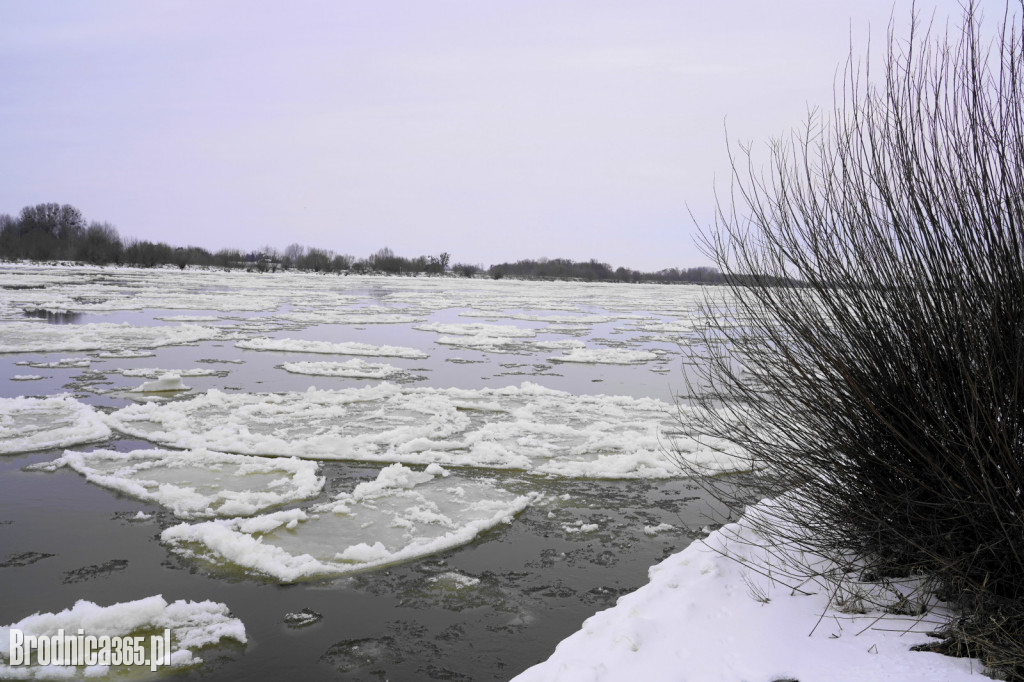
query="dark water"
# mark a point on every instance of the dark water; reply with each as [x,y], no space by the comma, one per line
[537,583]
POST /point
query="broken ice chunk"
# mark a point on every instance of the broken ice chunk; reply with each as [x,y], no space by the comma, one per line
[167,383]
[198,483]
[28,424]
[402,515]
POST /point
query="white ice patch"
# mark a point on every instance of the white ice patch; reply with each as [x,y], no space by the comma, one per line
[198,483]
[606,356]
[193,625]
[326,347]
[350,369]
[28,424]
[528,427]
[167,383]
[155,373]
[29,337]
[188,318]
[358,316]
[400,516]
[505,331]
[63,363]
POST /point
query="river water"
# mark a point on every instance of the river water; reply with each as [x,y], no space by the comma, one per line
[485,610]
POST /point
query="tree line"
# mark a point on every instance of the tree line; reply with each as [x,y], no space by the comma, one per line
[59,232]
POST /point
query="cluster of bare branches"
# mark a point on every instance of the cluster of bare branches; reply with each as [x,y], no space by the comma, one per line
[881,400]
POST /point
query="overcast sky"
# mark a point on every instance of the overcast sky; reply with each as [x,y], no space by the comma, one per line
[492,129]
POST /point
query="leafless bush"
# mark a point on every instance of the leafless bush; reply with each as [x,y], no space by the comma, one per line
[876,376]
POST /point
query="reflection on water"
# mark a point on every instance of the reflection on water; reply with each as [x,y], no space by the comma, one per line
[53,317]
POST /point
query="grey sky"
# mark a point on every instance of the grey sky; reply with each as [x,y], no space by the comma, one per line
[495,130]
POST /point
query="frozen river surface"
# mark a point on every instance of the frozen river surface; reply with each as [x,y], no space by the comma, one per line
[452,474]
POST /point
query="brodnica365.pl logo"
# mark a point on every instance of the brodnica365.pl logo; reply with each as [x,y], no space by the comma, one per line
[81,649]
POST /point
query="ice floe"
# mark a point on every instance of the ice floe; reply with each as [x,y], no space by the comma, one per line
[29,337]
[193,625]
[359,316]
[198,483]
[28,424]
[156,373]
[401,515]
[326,347]
[605,356]
[167,383]
[479,329]
[350,369]
[528,427]
[63,363]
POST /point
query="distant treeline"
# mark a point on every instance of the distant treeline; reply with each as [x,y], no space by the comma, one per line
[59,232]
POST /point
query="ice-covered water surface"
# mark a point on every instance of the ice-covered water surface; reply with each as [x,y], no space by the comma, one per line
[402,515]
[589,435]
[529,428]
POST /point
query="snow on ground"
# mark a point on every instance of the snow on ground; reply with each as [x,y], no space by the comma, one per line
[35,337]
[605,356]
[28,424]
[193,625]
[350,369]
[198,483]
[344,348]
[402,515]
[711,613]
[530,427]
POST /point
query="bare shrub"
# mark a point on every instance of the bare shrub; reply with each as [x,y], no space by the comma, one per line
[874,369]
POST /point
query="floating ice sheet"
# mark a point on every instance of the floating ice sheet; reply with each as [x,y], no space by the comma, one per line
[402,515]
[360,316]
[28,424]
[155,372]
[31,337]
[528,428]
[198,483]
[605,356]
[167,383]
[479,329]
[344,348]
[193,625]
[63,363]
[350,369]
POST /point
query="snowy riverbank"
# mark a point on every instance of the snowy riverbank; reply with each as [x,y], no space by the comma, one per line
[706,615]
